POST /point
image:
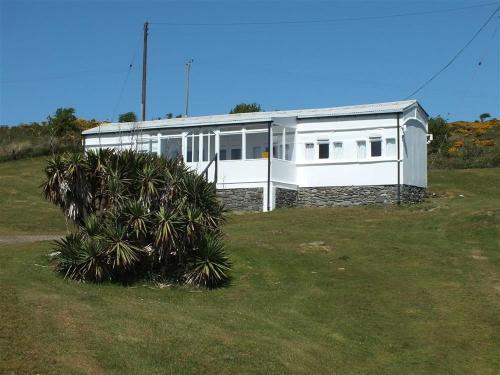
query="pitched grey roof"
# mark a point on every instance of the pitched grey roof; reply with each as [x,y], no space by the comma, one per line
[256,117]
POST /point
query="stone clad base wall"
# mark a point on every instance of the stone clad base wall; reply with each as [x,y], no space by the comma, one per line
[286,198]
[242,199]
[329,196]
[412,194]
[251,199]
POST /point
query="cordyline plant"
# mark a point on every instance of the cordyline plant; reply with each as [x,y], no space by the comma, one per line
[137,215]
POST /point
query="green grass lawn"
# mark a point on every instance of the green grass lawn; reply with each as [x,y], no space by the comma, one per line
[412,290]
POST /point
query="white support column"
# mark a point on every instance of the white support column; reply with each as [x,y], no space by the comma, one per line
[243,144]
[217,143]
[184,146]
[158,148]
[208,145]
[200,146]
[271,143]
[283,140]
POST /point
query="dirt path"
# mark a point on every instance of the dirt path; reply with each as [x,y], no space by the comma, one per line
[28,238]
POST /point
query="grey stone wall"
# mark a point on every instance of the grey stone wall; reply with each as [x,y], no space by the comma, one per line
[412,194]
[243,199]
[286,198]
[356,195]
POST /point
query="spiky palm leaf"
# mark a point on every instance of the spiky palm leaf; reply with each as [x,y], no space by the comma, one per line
[209,266]
[150,182]
[168,228]
[137,217]
[122,252]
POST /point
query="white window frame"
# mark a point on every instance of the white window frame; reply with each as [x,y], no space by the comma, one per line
[387,154]
[358,142]
[312,156]
[341,150]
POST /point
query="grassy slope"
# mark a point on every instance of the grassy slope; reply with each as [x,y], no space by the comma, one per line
[392,290]
[22,210]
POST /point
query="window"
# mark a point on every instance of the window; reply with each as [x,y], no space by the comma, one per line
[390,147]
[376,147]
[255,144]
[231,143]
[289,144]
[324,150]
[256,153]
[173,147]
[235,153]
[223,154]
[337,150]
[193,141]
[309,151]
[361,149]
[208,146]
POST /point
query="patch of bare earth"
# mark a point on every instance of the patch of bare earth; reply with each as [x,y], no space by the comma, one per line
[29,238]
[315,246]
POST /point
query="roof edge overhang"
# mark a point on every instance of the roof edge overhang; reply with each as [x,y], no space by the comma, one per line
[112,128]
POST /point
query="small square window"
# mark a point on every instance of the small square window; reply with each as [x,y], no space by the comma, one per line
[376,147]
[324,150]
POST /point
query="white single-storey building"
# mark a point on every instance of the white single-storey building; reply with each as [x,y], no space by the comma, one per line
[374,153]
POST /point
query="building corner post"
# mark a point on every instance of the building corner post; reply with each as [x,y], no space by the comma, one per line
[269,156]
[399,161]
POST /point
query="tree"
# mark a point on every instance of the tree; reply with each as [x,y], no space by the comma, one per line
[63,121]
[245,108]
[484,116]
[136,216]
[127,117]
[440,130]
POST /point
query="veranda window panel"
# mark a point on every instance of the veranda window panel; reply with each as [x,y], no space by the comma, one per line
[173,148]
[256,144]
[193,142]
[189,150]
[231,144]
[277,142]
[290,145]
[208,147]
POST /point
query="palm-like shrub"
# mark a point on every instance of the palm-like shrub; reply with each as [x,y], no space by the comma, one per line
[136,214]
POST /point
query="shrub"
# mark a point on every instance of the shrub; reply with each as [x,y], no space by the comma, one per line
[136,215]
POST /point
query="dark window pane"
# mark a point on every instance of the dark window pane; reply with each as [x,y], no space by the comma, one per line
[324,150]
[222,155]
[235,153]
[376,148]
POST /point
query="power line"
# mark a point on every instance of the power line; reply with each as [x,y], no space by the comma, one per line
[455,56]
[127,75]
[319,21]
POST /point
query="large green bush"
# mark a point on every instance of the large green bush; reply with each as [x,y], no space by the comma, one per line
[136,215]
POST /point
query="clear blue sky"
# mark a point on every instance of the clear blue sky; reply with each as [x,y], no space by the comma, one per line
[76,54]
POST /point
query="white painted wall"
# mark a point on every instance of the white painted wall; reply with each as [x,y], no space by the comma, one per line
[344,170]
[347,168]
[415,154]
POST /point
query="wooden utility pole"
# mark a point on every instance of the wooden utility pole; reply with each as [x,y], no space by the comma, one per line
[144,70]
[188,72]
